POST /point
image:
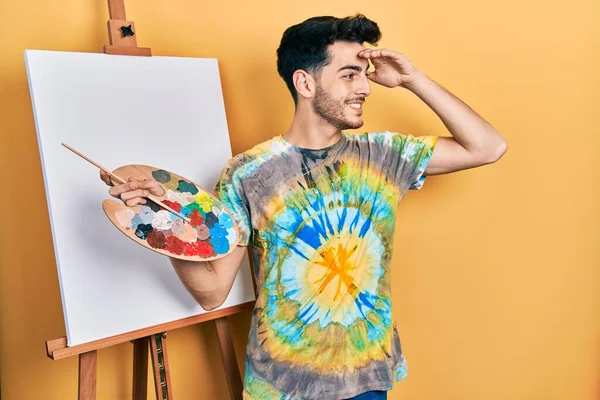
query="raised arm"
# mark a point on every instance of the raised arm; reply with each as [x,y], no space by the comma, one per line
[474,141]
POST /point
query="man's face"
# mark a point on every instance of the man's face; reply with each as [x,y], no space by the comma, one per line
[342,87]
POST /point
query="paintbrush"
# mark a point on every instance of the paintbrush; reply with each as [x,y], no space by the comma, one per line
[121,180]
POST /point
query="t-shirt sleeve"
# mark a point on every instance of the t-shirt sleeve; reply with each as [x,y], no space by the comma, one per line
[230,192]
[408,158]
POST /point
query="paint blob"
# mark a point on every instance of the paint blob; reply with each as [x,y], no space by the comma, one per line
[210,231]
[156,239]
[211,219]
[189,234]
[187,187]
[225,220]
[196,218]
[124,218]
[162,220]
[178,227]
[161,175]
[174,245]
[144,216]
[182,198]
[203,232]
[175,206]
[142,230]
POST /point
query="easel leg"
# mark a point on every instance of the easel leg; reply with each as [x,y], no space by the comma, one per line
[160,366]
[140,368]
[87,375]
[232,372]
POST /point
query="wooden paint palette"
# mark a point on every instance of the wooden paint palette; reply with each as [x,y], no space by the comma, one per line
[208,232]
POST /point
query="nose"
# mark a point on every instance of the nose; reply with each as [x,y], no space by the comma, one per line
[363,87]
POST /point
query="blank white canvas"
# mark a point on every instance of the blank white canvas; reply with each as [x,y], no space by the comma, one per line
[167,112]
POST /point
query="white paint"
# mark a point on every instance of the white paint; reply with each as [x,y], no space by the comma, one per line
[183,198]
[124,217]
[105,106]
[162,220]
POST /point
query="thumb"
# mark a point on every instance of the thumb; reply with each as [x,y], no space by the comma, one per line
[106,178]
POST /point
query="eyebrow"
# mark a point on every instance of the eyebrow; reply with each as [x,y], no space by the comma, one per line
[352,67]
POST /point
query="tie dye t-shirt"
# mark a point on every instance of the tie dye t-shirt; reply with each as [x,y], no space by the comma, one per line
[321,224]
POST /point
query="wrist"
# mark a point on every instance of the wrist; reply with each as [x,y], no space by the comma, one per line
[416,81]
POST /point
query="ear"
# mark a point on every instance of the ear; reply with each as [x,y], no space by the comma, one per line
[304,83]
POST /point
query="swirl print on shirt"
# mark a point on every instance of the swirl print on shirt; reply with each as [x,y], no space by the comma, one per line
[321,225]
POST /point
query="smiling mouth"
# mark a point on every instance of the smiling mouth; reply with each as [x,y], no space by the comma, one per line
[357,105]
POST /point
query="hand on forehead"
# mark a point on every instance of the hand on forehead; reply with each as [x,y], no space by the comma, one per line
[345,54]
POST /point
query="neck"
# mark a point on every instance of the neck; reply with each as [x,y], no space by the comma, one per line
[308,130]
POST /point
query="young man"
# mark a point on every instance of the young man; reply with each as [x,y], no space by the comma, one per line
[318,205]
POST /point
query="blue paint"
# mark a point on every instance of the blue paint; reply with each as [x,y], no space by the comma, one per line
[185,211]
[143,230]
[187,187]
[220,245]
[143,216]
[210,219]
[225,220]
[217,231]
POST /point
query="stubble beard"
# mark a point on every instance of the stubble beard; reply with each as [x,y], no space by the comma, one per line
[332,110]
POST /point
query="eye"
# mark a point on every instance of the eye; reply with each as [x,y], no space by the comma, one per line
[348,76]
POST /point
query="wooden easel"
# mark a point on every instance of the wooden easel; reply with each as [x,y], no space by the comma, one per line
[154,336]
[123,41]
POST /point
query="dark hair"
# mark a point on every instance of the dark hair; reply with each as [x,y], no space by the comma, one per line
[304,46]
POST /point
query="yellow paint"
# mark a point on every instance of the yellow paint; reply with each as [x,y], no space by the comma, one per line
[205,201]
[496,277]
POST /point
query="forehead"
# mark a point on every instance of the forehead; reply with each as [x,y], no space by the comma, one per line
[346,53]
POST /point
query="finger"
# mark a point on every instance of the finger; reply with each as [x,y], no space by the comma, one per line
[152,186]
[135,201]
[365,53]
[379,52]
[125,187]
[133,194]
[105,178]
[394,55]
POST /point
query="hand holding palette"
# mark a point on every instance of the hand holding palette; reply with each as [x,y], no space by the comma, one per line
[186,222]
[210,234]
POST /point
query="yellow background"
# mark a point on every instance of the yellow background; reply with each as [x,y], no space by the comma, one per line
[496,280]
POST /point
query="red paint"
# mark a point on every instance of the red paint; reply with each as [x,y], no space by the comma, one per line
[173,204]
[204,249]
[197,248]
[156,239]
[195,218]
[189,249]
[174,244]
